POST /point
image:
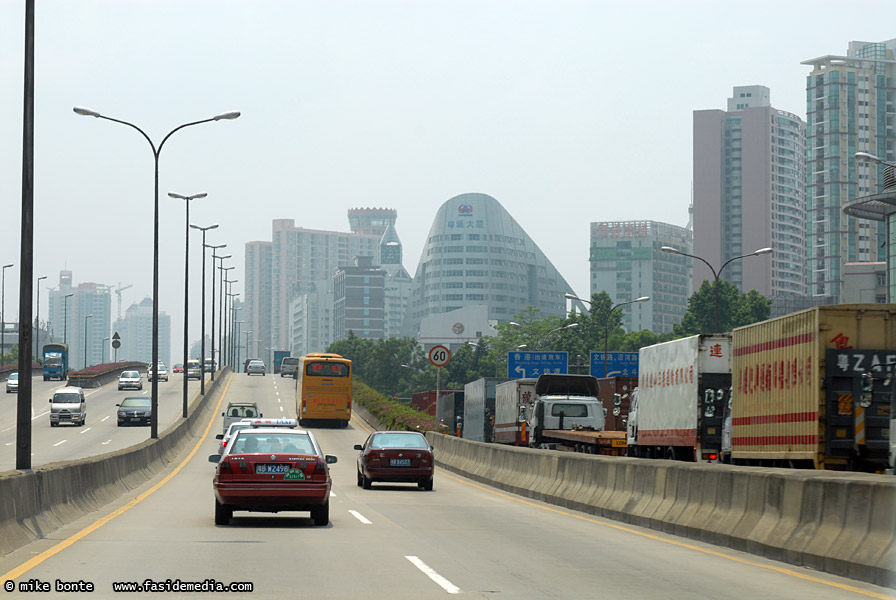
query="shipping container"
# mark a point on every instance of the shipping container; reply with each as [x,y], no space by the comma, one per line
[509,397]
[613,390]
[479,408]
[815,388]
[450,412]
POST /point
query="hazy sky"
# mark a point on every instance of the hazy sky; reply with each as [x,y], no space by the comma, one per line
[565,112]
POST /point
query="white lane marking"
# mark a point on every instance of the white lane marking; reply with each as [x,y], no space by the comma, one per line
[429,572]
[40,415]
[281,409]
[8,429]
[106,442]
[360,517]
[86,430]
[278,400]
[104,418]
[332,495]
[278,393]
[9,444]
[59,443]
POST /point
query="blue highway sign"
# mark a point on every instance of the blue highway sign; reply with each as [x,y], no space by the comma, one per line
[620,364]
[532,364]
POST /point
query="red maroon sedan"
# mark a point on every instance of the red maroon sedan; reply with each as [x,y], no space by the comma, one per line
[395,456]
[272,470]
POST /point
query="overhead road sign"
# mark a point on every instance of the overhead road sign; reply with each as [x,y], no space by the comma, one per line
[620,364]
[533,364]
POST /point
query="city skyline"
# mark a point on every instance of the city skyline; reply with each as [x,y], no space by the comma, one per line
[381,104]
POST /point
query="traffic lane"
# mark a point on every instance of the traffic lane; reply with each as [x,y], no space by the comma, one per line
[41,391]
[101,432]
[400,542]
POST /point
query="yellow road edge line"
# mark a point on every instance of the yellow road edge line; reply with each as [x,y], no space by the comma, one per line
[666,540]
[36,560]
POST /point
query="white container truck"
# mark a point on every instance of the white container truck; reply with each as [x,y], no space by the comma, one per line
[678,410]
[510,397]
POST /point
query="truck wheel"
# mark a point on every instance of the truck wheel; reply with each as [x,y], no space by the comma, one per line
[670,453]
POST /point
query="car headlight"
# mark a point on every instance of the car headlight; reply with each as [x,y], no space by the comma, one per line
[121,413]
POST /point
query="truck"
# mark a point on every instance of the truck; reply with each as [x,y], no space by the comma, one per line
[450,412]
[55,365]
[678,410]
[567,414]
[513,401]
[814,389]
[479,408]
[428,400]
[279,355]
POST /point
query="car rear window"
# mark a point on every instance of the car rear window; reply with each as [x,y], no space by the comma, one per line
[251,442]
[398,440]
[130,374]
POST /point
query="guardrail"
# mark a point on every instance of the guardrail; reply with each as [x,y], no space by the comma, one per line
[37,502]
[839,523]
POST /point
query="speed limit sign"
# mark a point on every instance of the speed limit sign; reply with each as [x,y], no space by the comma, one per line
[439,356]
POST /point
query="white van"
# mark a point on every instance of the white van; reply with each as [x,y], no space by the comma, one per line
[288,366]
[68,405]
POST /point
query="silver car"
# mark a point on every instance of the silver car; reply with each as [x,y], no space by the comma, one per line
[255,367]
[12,384]
[130,380]
[161,372]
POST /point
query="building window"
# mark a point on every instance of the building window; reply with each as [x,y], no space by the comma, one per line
[881,279]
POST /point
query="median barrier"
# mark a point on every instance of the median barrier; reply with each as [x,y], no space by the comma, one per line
[36,502]
[835,522]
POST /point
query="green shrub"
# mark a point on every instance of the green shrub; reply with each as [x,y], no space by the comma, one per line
[390,413]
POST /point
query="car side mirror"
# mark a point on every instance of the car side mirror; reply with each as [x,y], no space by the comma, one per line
[359,447]
[260,415]
[118,405]
[330,459]
[220,436]
[222,414]
[214,458]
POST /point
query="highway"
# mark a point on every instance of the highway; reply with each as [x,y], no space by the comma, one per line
[100,434]
[391,542]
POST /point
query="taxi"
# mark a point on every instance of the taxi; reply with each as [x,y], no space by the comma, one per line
[272,469]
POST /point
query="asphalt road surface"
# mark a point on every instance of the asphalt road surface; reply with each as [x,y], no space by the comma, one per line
[390,542]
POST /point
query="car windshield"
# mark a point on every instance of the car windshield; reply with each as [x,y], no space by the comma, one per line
[136,402]
[66,398]
[261,442]
[398,440]
[14,377]
[130,374]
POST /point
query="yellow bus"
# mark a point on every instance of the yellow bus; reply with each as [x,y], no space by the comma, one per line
[324,389]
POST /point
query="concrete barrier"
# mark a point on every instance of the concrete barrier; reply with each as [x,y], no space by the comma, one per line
[35,503]
[839,523]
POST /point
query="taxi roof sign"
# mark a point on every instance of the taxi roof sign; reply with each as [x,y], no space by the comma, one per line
[273,422]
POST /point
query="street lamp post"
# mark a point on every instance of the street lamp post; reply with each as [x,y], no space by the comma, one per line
[607,320]
[65,318]
[247,334]
[187,200]
[222,326]
[154,419]
[202,336]
[215,362]
[37,318]
[231,317]
[3,316]
[105,339]
[85,339]
[716,275]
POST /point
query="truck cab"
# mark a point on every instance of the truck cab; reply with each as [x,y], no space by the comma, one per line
[565,402]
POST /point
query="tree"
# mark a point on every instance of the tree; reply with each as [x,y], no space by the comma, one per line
[735,309]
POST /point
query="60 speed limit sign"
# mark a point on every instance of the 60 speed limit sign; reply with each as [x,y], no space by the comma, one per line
[439,356]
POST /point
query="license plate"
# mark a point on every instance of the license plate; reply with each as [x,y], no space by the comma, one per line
[618,444]
[272,468]
[399,462]
[135,418]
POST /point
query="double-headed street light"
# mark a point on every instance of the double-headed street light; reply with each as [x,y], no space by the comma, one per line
[214,247]
[65,317]
[202,337]
[607,320]
[553,331]
[154,419]
[2,316]
[716,275]
[85,339]
[187,226]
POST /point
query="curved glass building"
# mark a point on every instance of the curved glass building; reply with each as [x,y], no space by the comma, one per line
[477,254]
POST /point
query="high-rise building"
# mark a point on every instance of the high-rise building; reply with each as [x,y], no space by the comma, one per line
[300,257]
[135,331]
[257,289]
[749,194]
[371,221]
[627,262]
[359,300]
[476,253]
[69,321]
[850,107]
[311,318]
